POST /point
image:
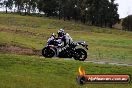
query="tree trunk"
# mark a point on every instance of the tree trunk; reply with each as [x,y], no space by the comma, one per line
[110,25]
[59,15]
[25,12]
[6,9]
[29,9]
[18,9]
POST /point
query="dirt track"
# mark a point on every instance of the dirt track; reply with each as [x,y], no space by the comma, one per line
[111,63]
[27,51]
[19,50]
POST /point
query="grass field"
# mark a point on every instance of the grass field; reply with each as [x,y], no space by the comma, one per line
[33,32]
[21,71]
[18,71]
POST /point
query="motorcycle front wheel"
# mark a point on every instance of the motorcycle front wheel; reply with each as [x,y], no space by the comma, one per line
[80,54]
[48,52]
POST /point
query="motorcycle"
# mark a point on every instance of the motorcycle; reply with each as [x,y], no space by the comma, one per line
[53,50]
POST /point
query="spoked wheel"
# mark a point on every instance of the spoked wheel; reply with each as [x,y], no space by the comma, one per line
[80,54]
[48,53]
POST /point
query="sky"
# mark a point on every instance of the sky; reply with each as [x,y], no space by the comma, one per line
[125,7]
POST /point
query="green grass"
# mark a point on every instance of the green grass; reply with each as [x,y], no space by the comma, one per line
[18,71]
[104,43]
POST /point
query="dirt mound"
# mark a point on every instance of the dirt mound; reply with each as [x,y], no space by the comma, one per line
[19,50]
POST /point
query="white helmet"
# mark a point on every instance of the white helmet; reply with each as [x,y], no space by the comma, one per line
[61,32]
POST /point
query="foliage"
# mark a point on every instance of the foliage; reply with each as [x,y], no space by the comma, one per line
[127,23]
[101,13]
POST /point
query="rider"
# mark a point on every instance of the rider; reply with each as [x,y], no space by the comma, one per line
[65,37]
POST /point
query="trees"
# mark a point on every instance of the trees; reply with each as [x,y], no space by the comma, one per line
[19,5]
[8,4]
[48,7]
[101,13]
[25,5]
[113,16]
[29,6]
[127,23]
